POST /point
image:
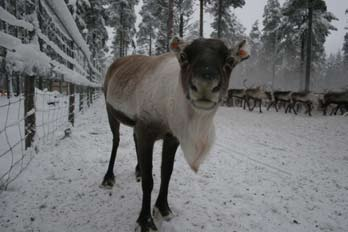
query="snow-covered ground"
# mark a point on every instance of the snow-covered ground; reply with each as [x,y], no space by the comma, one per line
[267,172]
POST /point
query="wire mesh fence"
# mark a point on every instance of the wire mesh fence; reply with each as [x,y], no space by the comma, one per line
[32,119]
[47,77]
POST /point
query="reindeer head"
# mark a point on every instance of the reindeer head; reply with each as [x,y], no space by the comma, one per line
[206,66]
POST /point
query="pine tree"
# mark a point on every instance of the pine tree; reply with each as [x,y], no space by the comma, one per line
[122,18]
[184,9]
[345,48]
[345,52]
[270,37]
[96,32]
[255,42]
[225,22]
[294,29]
[147,28]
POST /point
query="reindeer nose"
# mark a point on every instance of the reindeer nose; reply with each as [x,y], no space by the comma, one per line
[205,86]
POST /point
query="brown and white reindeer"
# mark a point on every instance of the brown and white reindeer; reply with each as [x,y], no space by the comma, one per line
[173,97]
[283,97]
[238,94]
[338,98]
[258,95]
[308,99]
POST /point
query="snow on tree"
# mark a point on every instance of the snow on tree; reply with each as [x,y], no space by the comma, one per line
[161,12]
[255,43]
[183,10]
[97,35]
[294,29]
[226,25]
[154,24]
[225,22]
[270,37]
[193,31]
[345,48]
[122,18]
[146,34]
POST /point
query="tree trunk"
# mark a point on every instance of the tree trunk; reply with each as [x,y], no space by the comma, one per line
[29,110]
[121,31]
[150,45]
[181,20]
[219,19]
[309,45]
[170,22]
[201,18]
[302,62]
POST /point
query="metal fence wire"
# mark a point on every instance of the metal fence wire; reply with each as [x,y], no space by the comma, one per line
[47,78]
[24,128]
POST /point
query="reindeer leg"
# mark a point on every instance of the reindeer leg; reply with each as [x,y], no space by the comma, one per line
[332,111]
[309,109]
[145,141]
[287,108]
[170,145]
[337,108]
[293,108]
[109,178]
[276,105]
[137,168]
[260,103]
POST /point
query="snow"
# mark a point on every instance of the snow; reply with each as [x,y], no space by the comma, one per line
[51,112]
[8,41]
[63,13]
[72,76]
[59,51]
[267,172]
[27,58]
[11,19]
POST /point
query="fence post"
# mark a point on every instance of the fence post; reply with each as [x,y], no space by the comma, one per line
[81,98]
[92,94]
[40,83]
[71,103]
[88,97]
[29,110]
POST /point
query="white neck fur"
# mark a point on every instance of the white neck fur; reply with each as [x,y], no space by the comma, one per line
[194,129]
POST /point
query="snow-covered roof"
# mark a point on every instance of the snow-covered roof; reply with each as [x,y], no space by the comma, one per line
[11,19]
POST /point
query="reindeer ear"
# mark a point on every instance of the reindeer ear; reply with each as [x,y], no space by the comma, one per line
[177,45]
[237,54]
[242,51]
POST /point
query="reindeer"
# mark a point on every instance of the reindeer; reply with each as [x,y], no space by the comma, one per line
[280,97]
[305,98]
[172,97]
[339,98]
[236,93]
[257,95]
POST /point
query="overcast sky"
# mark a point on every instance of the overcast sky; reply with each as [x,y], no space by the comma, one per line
[253,10]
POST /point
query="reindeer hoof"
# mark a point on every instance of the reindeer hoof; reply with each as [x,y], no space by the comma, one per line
[108,182]
[146,226]
[166,215]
